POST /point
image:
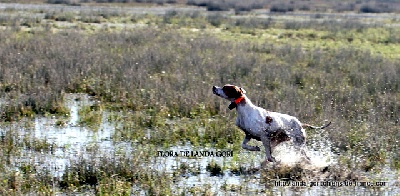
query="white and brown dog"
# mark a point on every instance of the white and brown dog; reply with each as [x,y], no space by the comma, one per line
[271,128]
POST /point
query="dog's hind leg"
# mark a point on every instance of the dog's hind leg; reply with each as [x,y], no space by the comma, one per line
[297,133]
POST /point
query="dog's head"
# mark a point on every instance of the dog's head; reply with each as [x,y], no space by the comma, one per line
[230,92]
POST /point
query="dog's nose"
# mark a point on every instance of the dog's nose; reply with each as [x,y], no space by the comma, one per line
[214,90]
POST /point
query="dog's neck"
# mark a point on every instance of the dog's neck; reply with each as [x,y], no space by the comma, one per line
[241,102]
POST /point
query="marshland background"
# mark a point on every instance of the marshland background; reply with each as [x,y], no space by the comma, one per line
[91,90]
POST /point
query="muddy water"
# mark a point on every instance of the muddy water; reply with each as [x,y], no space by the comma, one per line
[73,141]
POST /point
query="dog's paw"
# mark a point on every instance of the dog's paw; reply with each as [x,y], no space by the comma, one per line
[268,160]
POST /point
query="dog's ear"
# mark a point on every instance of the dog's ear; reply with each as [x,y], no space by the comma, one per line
[232,91]
[232,105]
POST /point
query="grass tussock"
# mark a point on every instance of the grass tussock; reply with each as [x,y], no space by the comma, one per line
[214,169]
[91,116]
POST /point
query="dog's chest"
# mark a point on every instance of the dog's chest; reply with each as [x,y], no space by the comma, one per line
[252,120]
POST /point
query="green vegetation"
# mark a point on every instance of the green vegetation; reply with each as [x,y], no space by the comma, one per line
[91,116]
[153,76]
[214,169]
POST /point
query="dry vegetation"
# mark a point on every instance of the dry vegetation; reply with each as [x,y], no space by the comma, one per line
[165,71]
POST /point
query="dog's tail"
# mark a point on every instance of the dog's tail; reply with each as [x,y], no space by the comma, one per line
[314,127]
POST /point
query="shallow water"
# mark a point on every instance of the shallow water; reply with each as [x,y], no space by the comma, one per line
[203,178]
[73,141]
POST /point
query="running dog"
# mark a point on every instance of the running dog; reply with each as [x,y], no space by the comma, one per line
[271,128]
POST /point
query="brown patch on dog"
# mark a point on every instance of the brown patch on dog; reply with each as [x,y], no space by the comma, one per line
[232,91]
[268,120]
[278,137]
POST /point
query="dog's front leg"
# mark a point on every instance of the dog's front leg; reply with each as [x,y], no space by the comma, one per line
[267,145]
[247,147]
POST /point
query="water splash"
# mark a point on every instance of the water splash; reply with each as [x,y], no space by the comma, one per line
[315,155]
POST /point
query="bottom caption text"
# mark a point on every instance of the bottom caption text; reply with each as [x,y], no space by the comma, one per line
[330,183]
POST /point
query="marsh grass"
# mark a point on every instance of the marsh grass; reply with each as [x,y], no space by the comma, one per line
[169,131]
[40,145]
[91,116]
[30,106]
[214,169]
[144,70]
[27,181]
[114,173]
